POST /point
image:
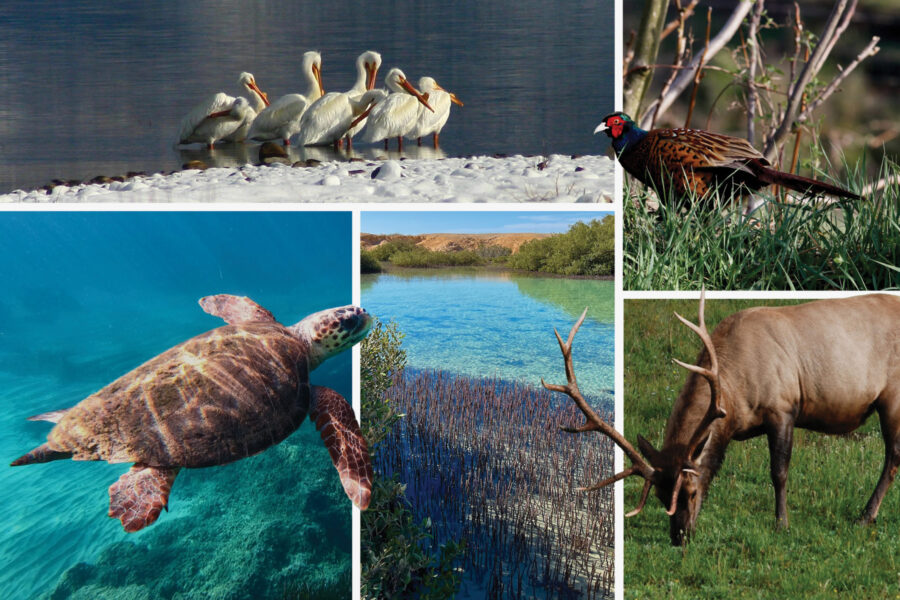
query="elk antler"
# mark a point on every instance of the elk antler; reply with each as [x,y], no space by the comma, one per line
[593,422]
[715,410]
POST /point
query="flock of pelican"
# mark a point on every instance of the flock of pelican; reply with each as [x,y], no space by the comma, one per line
[319,119]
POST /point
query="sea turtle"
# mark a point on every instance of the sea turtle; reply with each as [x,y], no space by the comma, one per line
[218,397]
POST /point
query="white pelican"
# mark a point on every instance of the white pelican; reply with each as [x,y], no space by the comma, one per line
[258,100]
[221,104]
[215,118]
[396,114]
[428,122]
[281,119]
[328,119]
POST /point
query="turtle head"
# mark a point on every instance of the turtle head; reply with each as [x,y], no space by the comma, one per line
[332,331]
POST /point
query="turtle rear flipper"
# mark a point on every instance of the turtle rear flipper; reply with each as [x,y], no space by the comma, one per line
[139,495]
[340,432]
[236,309]
[41,454]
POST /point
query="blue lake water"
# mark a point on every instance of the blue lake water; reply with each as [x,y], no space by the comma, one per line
[103,88]
[86,297]
[482,323]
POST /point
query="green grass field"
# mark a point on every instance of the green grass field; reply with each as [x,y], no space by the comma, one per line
[736,551]
[852,244]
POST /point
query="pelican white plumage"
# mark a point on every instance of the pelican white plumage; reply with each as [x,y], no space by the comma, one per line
[431,122]
[199,125]
[281,119]
[396,114]
[328,119]
[259,100]
[213,119]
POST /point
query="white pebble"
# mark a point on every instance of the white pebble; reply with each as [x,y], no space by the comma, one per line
[390,170]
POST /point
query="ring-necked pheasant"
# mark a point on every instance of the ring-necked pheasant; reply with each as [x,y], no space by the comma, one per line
[694,162]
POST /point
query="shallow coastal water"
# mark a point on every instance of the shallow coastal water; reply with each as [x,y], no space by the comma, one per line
[104,90]
[478,343]
[486,323]
[90,295]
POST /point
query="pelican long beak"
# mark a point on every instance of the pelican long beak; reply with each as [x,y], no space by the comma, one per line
[406,85]
[453,97]
[262,94]
[371,72]
[362,116]
[317,73]
[600,127]
[221,113]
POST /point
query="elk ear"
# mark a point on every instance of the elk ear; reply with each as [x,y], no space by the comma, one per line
[647,449]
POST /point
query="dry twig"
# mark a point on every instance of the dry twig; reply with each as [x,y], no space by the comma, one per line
[687,76]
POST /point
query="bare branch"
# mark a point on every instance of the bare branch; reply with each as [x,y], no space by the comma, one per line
[683,14]
[687,76]
[645,50]
[870,50]
[837,23]
[880,185]
[681,52]
[798,40]
[629,53]
[698,75]
[753,60]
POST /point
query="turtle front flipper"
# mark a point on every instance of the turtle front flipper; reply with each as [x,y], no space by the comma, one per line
[236,309]
[139,495]
[340,432]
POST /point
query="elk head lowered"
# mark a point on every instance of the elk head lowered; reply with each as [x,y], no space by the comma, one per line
[825,365]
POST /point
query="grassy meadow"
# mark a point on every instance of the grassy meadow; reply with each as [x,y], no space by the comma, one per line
[736,552]
[847,245]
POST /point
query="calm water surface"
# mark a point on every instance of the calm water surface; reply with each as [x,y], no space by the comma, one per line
[487,323]
[102,86]
[88,296]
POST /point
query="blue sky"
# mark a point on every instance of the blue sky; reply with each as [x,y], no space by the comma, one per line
[457,221]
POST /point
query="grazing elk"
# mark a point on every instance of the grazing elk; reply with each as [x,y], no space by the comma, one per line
[824,365]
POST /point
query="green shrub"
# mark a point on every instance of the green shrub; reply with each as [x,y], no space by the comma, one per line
[368,263]
[494,253]
[399,559]
[384,251]
[421,257]
[586,249]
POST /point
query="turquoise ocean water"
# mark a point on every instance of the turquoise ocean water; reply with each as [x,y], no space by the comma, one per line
[481,323]
[88,296]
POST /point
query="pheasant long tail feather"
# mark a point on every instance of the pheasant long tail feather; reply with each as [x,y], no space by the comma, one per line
[804,185]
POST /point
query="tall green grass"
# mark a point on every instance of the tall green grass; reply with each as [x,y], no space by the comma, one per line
[736,552]
[852,244]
